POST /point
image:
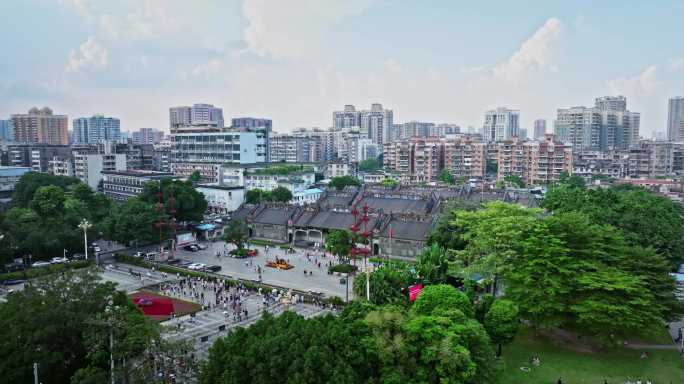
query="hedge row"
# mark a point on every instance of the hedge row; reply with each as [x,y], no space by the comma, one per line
[32,273]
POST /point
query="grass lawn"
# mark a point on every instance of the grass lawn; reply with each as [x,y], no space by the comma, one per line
[614,365]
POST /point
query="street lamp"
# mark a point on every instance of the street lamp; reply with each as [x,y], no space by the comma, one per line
[85,225]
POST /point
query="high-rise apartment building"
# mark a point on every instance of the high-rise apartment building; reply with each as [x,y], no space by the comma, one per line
[197,114]
[501,124]
[319,147]
[534,162]
[675,119]
[289,148]
[606,126]
[147,136]
[6,131]
[465,159]
[96,129]
[420,158]
[539,129]
[375,124]
[40,126]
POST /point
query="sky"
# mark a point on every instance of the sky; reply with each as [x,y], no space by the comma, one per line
[296,61]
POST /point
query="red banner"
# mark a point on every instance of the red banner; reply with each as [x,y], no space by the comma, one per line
[414,290]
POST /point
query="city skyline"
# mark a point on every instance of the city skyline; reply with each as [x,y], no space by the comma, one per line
[295,65]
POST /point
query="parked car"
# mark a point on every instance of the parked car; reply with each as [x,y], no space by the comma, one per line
[173,261]
[151,255]
[201,246]
[184,263]
[59,260]
[97,249]
[40,264]
[197,266]
[191,248]
[213,268]
[139,254]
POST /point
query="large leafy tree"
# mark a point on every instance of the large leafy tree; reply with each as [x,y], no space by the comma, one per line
[237,233]
[132,221]
[180,199]
[281,194]
[369,165]
[60,324]
[339,242]
[291,349]
[255,196]
[646,219]
[502,322]
[388,284]
[564,269]
[446,177]
[30,182]
[340,182]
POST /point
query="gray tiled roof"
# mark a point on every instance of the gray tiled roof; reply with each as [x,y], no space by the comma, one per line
[390,205]
[409,230]
[277,216]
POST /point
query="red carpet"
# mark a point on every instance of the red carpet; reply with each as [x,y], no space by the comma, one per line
[154,306]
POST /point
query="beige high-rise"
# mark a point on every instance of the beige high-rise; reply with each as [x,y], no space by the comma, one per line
[40,126]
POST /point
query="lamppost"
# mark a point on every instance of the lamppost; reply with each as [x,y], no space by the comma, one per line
[110,311]
[85,225]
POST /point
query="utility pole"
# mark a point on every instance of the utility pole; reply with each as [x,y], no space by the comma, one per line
[35,373]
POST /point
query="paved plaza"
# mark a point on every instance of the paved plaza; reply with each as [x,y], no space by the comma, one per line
[294,278]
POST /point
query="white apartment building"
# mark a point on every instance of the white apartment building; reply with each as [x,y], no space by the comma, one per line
[501,124]
[222,198]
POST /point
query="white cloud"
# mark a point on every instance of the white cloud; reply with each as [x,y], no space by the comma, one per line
[90,55]
[644,83]
[534,54]
[208,69]
[281,29]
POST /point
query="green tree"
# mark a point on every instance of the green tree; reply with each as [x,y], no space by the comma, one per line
[133,221]
[281,194]
[446,177]
[48,201]
[369,165]
[645,219]
[442,297]
[447,234]
[388,284]
[237,233]
[290,349]
[432,264]
[514,180]
[195,177]
[57,322]
[180,199]
[30,182]
[340,182]
[389,182]
[502,322]
[255,196]
[339,243]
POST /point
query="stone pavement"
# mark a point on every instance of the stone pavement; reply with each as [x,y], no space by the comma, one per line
[293,278]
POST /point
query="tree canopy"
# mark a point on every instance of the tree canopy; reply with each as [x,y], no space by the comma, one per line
[565,270]
[645,219]
[46,222]
[369,165]
[61,324]
[340,182]
[446,177]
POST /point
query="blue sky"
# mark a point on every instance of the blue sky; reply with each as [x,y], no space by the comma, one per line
[297,61]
